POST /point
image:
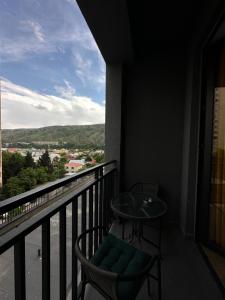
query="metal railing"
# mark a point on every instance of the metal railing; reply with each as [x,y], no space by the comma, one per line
[18,212]
[95,196]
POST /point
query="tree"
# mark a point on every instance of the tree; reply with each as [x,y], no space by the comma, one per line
[13,187]
[45,161]
[41,175]
[12,164]
[28,178]
[29,161]
[59,169]
[98,157]
[63,158]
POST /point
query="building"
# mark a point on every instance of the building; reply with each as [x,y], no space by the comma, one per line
[12,150]
[73,166]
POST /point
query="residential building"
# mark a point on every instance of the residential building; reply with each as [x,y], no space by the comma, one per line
[73,166]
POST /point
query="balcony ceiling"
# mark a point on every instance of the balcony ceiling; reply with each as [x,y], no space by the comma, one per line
[162,23]
[127,29]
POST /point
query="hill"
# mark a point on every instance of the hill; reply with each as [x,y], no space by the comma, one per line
[77,135]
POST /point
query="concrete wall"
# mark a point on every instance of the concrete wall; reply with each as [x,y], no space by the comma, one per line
[153,114]
[113,112]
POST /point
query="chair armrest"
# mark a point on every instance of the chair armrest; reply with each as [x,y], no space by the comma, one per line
[90,230]
[85,262]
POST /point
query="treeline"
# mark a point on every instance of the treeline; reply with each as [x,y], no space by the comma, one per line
[78,136]
[67,146]
[21,174]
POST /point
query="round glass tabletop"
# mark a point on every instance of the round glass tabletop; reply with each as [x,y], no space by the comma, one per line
[139,206]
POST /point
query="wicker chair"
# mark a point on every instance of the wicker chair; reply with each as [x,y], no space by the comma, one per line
[117,270]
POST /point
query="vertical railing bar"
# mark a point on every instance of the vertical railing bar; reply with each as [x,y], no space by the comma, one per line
[107,200]
[46,260]
[20,270]
[62,257]
[111,193]
[83,225]
[74,237]
[101,204]
[104,204]
[90,225]
[96,217]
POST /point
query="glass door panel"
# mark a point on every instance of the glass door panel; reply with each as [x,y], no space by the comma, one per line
[217,199]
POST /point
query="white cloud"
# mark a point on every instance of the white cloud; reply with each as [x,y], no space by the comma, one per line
[24,108]
[86,71]
[66,91]
[35,28]
[47,35]
[20,48]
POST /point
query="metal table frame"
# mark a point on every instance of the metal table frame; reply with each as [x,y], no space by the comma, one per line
[138,221]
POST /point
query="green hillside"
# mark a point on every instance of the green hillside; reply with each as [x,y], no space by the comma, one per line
[78,135]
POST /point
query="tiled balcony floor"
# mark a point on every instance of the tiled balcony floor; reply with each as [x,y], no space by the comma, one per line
[185,275]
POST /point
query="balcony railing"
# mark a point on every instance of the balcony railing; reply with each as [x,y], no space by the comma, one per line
[22,214]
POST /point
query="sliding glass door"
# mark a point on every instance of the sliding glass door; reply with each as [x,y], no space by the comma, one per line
[217,194]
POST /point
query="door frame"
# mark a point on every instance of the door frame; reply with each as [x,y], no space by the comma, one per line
[209,73]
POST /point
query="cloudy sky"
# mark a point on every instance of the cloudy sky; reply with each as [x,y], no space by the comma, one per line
[52,72]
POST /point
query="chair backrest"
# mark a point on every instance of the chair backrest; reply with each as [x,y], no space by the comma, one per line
[144,187]
[104,281]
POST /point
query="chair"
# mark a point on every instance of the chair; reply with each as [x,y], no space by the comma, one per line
[117,270]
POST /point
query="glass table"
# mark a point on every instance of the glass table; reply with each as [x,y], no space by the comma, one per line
[140,208]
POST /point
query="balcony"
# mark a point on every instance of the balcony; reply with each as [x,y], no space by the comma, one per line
[88,196]
[160,80]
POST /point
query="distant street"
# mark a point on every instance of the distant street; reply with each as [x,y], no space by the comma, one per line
[33,261]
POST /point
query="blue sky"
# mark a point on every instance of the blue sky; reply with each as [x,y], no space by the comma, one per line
[52,71]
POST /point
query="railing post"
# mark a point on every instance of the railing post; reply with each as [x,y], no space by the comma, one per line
[101,199]
[74,237]
[20,270]
[46,260]
[96,217]
[83,225]
[62,255]
[90,241]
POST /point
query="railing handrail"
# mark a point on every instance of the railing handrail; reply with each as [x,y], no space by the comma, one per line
[14,202]
[10,237]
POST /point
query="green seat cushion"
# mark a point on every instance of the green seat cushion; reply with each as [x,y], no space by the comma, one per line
[119,257]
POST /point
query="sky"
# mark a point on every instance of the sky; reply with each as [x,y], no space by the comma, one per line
[51,70]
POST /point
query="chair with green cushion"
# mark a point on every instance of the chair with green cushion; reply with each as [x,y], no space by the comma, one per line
[117,269]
